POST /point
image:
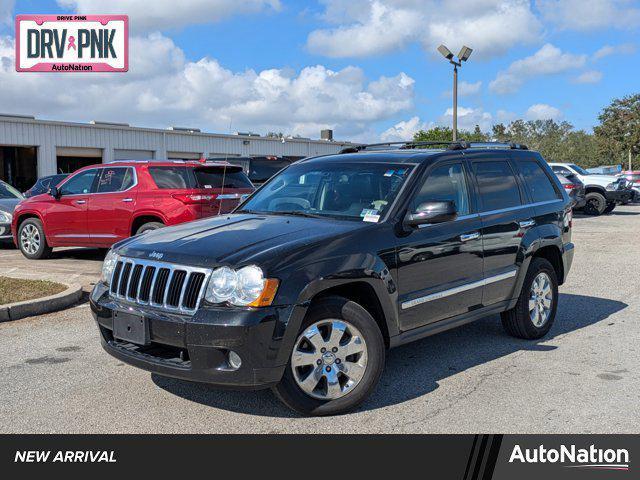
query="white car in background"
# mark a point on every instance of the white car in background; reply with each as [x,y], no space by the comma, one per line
[602,192]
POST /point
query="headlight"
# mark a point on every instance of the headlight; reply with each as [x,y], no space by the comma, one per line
[108,265]
[5,217]
[244,287]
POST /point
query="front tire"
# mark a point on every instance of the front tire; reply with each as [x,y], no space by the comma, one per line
[336,362]
[595,203]
[32,241]
[535,312]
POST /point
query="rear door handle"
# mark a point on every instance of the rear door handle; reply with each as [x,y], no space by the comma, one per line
[127,200]
[81,202]
[469,236]
[527,223]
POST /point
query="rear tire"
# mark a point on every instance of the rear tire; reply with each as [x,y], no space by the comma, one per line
[32,241]
[539,294]
[596,203]
[149,226]
[610,207]
[354,375]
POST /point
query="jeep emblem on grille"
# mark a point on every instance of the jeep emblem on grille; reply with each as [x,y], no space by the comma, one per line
[156,255]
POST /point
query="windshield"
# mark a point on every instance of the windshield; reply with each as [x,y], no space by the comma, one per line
[7,191]
[580,170]
[358,191]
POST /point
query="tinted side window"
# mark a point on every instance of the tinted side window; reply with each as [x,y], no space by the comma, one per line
[446,182]
[262,169]
[212,177]
[170,177]
[80,183]
[497,185]
[115,179]
[537,181]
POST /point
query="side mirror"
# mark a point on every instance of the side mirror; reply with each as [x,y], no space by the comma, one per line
[55,193]
[432,212]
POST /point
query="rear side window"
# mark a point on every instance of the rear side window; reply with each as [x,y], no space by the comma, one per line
[218,177]
[497,185]
[170,177]
[537,181]
[115,180]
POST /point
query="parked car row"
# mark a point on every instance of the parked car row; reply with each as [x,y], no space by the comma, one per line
[101,204]
[602,192]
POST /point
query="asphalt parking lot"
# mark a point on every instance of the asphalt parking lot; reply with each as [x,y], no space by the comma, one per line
[582,378]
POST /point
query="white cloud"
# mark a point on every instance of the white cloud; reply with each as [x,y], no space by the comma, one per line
[605,51]
[468,118]
[590,15]
[590,76]
[162,88]
[542,111]
[145,15]
[404,130]
[373,27]
[549,60]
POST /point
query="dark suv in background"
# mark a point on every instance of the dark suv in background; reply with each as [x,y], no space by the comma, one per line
[335,259]
[259,169]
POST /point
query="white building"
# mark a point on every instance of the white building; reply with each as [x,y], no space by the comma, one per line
[31,148]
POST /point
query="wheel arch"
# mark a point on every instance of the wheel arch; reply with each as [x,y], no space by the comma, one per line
[145,217]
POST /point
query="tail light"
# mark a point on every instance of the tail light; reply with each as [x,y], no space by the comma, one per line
[570,186]
[192,198]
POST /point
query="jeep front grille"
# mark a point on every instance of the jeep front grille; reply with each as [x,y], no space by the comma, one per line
[175,288]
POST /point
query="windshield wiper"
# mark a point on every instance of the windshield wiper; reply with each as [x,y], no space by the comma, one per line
[298,213]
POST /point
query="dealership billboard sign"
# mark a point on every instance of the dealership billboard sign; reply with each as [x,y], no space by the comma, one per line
[72,43]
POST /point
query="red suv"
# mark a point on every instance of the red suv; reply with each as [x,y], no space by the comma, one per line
[102,204]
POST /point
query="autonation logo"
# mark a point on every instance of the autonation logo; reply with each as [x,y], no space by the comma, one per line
[589,458]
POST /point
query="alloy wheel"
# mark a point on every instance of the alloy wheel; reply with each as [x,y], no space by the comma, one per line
[540,300]
[329,359]
[30,239]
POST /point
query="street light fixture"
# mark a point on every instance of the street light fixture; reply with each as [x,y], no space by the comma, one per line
[463,56]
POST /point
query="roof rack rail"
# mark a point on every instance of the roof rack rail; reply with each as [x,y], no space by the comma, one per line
[458,145]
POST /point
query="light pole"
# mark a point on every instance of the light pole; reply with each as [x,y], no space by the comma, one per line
[463,56]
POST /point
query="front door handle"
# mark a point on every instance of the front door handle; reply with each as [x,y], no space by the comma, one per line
[469,236]
[527,223]
[81,202]
[127,200]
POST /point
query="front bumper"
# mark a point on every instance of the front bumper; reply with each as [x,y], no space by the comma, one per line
[197,347]
[5,231]
[618,196]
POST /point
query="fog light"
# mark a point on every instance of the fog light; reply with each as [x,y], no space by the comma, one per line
[234,360]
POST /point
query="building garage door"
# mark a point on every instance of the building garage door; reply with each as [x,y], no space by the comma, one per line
[132,154]
[183,156]
[19,166]
[70,159]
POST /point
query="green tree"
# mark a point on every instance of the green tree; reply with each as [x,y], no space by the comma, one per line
[618,134]
[445,134]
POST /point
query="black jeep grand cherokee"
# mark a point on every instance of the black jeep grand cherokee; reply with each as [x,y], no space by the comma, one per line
[334,260]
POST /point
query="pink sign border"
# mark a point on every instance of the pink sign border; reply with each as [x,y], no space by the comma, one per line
[96,67]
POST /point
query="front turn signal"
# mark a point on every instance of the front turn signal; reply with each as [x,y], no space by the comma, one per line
[268,293]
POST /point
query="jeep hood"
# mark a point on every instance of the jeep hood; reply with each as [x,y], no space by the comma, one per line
[234,240]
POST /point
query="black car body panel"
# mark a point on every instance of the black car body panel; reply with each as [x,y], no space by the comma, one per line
[416,281]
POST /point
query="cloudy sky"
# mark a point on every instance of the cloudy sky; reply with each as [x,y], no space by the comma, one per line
[366,68]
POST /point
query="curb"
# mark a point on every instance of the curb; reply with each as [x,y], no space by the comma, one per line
[38,306]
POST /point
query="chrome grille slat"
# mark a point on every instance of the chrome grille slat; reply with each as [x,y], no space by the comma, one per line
[187,287]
